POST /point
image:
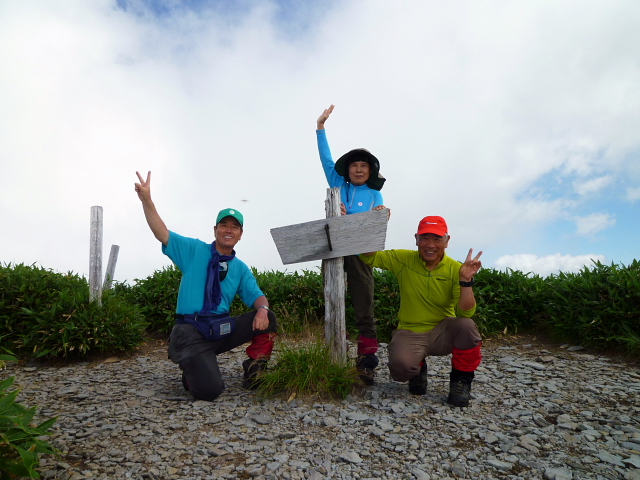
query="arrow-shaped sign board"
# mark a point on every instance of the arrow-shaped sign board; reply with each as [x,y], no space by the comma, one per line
[332,237]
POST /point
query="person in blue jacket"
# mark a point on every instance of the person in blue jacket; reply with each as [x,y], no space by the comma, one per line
[212,276]
[357,174]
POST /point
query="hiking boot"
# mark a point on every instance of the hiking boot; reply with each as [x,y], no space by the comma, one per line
[459,393]
[367,375]
[252,371]
[365,364]
[418,384]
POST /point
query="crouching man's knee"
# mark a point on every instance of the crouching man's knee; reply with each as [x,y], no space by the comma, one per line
[402,368]
[208,394]
[467,334]
[207,391]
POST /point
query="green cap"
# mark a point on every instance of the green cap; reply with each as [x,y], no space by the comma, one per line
[230,212]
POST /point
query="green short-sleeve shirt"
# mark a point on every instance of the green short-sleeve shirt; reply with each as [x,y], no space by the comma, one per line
[426,297]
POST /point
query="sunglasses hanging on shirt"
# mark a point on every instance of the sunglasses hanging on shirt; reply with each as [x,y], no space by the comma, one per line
[224,268]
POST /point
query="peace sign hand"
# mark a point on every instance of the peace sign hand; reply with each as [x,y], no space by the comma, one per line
[470,267]
[143,189]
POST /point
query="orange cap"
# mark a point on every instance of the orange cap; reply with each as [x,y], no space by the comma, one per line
[433,224]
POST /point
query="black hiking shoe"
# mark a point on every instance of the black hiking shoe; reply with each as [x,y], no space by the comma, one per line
[365,364]
[459,393]
[367,375]
[252,371]
[418,384]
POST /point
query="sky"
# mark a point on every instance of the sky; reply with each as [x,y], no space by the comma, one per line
[518,122]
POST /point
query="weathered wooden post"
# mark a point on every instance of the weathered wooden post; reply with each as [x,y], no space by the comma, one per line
[95,257]
[333,238]
[334,288]
[111,267]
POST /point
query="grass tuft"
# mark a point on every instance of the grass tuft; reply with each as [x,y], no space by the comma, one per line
[307,371]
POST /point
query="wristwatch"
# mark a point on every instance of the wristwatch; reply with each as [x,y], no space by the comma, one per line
[468,284]
[265,307]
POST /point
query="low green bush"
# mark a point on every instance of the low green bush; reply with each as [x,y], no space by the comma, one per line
[386,304]
[44,313]
[597,307]
[157,296]
[296,299]
[21,442]
[509,301]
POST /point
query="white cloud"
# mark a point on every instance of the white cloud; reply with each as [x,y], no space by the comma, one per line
[594,223]
[633,194]
[593,186]
[544,266]
[465,112]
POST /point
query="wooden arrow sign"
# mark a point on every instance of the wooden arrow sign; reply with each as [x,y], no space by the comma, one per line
[332,237]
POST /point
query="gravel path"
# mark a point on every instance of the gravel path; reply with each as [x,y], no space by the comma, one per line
[538,412]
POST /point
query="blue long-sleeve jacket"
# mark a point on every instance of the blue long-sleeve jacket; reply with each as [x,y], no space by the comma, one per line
[355,198]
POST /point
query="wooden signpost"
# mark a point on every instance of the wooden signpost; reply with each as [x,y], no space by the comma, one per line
[335,331]
[111,266]
[95,258]
[329,240]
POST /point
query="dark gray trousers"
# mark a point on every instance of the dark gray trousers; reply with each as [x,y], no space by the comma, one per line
[197,356]
[360,285]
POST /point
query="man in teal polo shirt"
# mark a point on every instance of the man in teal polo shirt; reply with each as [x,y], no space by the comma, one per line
[211,277]
[436,306]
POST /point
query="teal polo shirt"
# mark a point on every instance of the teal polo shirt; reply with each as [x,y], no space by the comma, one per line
[192,257]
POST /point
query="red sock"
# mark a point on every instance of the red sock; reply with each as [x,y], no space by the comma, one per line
[261,346]
[367,346]
[466,360]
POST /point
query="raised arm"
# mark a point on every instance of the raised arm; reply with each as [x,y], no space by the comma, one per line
[157,226]
[323,118]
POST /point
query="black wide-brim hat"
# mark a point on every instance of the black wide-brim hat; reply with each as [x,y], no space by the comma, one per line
[376,181]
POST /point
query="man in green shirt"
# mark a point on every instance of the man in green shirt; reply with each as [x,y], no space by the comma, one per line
[436,306]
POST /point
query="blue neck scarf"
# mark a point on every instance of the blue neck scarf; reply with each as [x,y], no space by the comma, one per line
[212,289]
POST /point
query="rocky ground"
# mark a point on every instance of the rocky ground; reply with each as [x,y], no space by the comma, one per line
[539,411]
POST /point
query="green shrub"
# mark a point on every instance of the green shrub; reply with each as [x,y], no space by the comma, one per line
[296,299]
[21,443]
[598,307]
[157,296]
[509,301]
[307,371]
[44,313]
[386,303]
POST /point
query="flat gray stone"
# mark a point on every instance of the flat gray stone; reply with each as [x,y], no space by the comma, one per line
[502,466]
[558,474]
[610,458]
[351,457]
[420,474]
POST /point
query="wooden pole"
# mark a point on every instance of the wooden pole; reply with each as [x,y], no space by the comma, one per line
[111,267]
[334,290]
[95,258]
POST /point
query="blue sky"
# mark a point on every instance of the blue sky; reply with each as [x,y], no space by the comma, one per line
[517,122]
